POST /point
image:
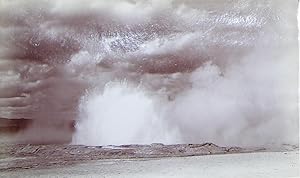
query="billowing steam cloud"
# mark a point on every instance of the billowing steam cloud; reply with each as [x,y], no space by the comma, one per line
[138,72]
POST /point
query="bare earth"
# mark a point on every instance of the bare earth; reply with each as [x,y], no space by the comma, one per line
[34,160]
[48,156]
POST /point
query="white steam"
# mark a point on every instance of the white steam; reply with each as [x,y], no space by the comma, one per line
[138,72]
[120,115]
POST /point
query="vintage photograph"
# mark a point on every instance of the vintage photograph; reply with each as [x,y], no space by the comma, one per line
[149,88]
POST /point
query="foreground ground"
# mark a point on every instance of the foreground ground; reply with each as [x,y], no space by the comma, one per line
[156,160]
[247,165]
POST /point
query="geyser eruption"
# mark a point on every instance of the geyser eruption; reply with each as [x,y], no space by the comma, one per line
[141,72]
[127,116]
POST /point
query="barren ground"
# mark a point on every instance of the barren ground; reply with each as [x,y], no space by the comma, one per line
[16,157]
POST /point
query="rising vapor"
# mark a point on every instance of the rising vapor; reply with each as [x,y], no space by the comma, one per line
[139,72]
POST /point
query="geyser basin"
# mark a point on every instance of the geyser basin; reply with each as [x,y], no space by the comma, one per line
[139,72]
